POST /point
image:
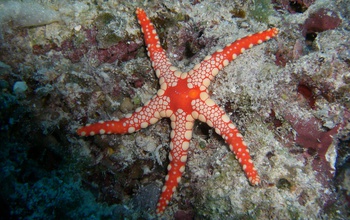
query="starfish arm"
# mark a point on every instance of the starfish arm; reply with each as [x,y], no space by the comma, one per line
[144,116]
[160,62]
[204,72]
[215,117]
[181,135]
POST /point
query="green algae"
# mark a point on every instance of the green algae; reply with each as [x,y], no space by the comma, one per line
[104,19]
[261,10]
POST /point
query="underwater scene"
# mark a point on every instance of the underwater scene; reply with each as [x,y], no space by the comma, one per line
[227,109]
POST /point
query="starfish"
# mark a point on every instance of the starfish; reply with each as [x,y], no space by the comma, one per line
[183,97]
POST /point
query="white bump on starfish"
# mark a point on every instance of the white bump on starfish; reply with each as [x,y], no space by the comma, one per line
[177,73]
[173,68]
[203,96]
[163,86]
[188,135]
[131,129]
[225,63]
[157,114]
[210,123]
[203,88]
[217,131]
[202,118]
[206,83]
[225,118]
[157,72]
[215,71]
[172,134]
[196,66]
[182,169]
[189,118]
[173,117]
[185,145]
[168,113]
[173,125]
[162,81]
[189,125]
[153,120]
[209,102]
[177,180]
[232,126]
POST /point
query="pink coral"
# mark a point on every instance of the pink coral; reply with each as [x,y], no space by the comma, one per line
[294,6]
[316,140]
[74,50]
[321,20]
[122,51]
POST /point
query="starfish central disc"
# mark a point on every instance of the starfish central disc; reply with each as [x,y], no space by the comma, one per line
[182,96]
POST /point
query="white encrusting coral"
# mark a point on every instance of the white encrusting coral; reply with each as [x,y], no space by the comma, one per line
[27,14]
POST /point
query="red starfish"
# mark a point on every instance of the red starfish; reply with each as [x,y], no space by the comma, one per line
[183,97]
